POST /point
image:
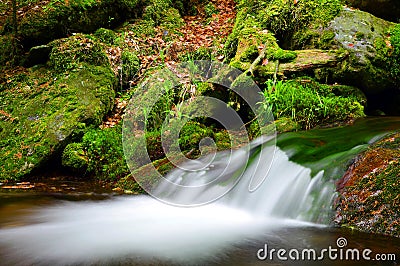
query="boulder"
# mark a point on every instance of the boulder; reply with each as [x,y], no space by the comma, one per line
[366,40]
[45,108]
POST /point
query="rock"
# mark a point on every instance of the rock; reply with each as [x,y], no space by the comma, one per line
[359,32]
[38,55]
[43,110]
[129,67]
[56,20]
[369,191]
[387,9]
[365,38]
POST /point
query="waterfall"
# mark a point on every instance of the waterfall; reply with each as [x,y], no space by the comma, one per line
[141,229]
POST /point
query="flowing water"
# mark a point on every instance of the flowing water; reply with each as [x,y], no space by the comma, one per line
[291,209]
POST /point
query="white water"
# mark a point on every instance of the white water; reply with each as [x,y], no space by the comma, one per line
[143,228]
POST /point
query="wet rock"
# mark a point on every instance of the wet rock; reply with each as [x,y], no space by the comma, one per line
[369,191]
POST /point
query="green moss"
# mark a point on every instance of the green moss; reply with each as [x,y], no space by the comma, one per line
[283,19]
[10,51]
[58,18]
[129,67]
[139,28]
[283,56]
[103,148]
[162,13]
[222,140]
[191,134]
[395,55]
[43,113]
[70,53]
[106,36]
[74,158]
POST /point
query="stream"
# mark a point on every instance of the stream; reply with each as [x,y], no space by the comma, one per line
[76,223]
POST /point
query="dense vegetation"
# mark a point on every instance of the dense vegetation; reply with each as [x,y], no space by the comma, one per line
[70,67]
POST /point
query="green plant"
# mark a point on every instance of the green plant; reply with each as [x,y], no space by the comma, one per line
[191,134]
[129,67]
[210,9]
[74,157]
[309,104]
[106,36]
[105,154]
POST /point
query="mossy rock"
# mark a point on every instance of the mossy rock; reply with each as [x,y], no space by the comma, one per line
[57,19]
[366,40]
[251,42]
[106,36]
[369,197]
[281,18]
[70,53]
[74,158]
[162,13]
[42,113]
[104,152]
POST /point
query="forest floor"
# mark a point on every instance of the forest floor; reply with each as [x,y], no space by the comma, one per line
[199,31]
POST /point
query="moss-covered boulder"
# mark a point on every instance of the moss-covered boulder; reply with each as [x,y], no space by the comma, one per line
[369,191]
[162,13]
[387,9]
[70,53]
[57,19]
[40,114]
[366,39]
[371,50]
[45,108]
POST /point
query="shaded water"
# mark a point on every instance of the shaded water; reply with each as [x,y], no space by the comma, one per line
[291,209]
